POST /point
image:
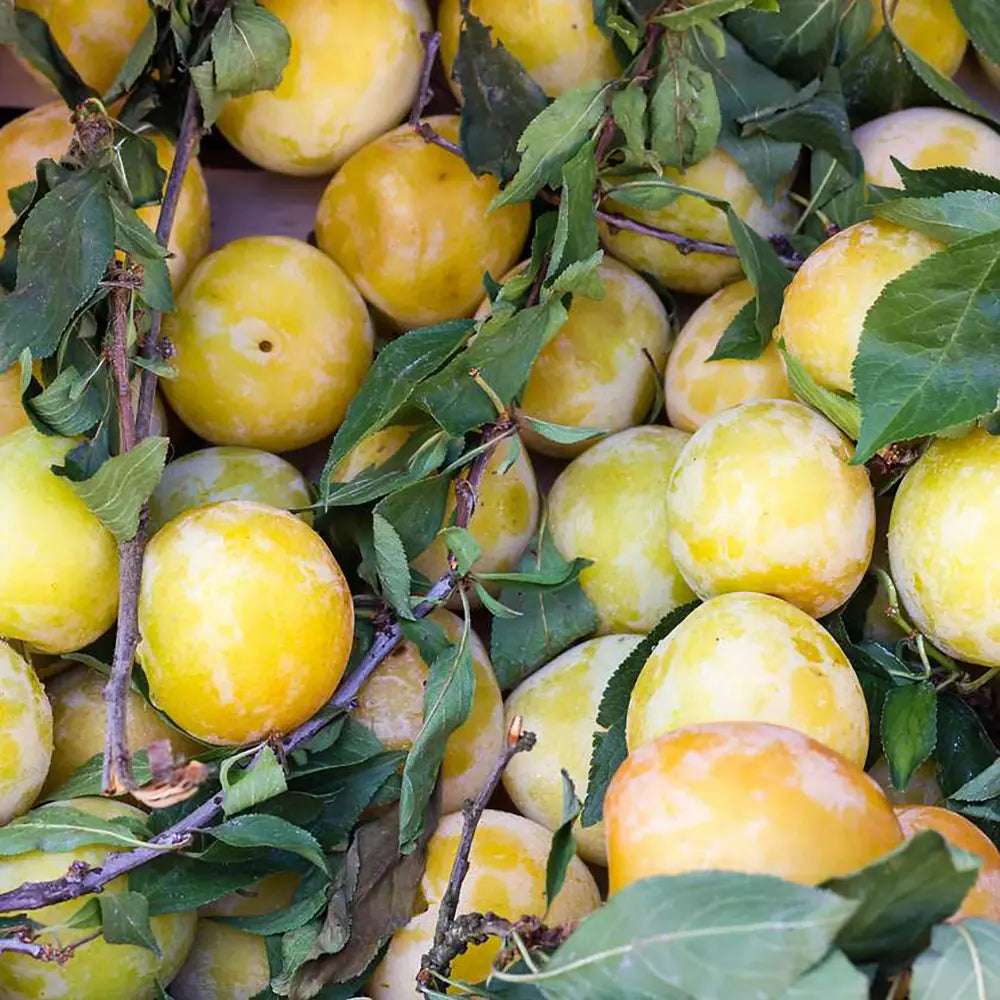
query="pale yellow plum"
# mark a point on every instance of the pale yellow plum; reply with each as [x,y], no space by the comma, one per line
[556,41]
[696,388]
[59,569]
[78,723]
[97,970]
[410,223]
[272,341]
[763,499]
[559,705]
[825,305]
[506,876]
[944,546]
[990,68]
[930,27]
[46,132]
[371,452]
[95,35]
[922,138]
[983,899]
[503,522]
[609,506]
[246,621]
[922,790]
[12,415]
[226,963]
[391,705]
[25,734]
[213,474]
[747,797]
[719,176]
[755,658]
[598,370]
[353,72]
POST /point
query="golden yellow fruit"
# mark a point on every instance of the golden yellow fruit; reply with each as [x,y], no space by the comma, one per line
[246,621]
[272,341]
[46,132]
[226,963]
[410,223]
[25,734]
[923,789]
[503,522]
[59,569]
[930,27]
[353,72]
[12,415]
[78,723]
[372,452]
[746,797]
[97,970]
[753,658]
[944,546]
[696,388]
[559,705]
[922,138]
[556,41]
[213,474]
[95,35]
[719,176]
[391,705]
[506,876]
[599,370]
[731,527]
[609,506]
[983,899]
[826,303]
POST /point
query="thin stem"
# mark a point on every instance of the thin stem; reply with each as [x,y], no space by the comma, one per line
[427,132]
[810,205]
[32,948]
[447,944]
[981,681]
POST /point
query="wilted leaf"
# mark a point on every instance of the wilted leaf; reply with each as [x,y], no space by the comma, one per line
[118,490]
[87,779]
[246,787]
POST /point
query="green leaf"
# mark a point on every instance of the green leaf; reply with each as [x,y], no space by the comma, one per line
[562,433]
[399,368]
[740,340]
[684,112]
[135,238]
[983,787]
[549,620]
[212,99]
[628,108]
[257,830]
[949,218]
[118,490]
[840,410]
[250,48]
[392,565]
[833,979]
[70,405]
[962,963]
[137,172]
[945,88]
[463,546]
[539,578]
[70,233]
[87,916]
[797,41]
[909,730]
[901,896]
[764,271]
[291,917]
[929,357]
[842,199]
[87,779]
[503,353]
[448,696]
[552,139]
[576,227]
[943,180]
[499,100]
[610,746]
[60,827]
[493,606]
[252,785]
[981,19]
[663,937]
[31,38]
[743,86]
[135,63]
[563,847]
[125,916]
[688,17]
[416,512]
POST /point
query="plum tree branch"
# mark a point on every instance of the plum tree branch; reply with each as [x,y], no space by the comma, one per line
[432,43]
[451,936]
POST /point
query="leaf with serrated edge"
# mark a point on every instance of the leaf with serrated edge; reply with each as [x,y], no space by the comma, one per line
[463,546]
[949,218]
[258,830]
[392,565]
[662,937]
[60,828]
[563,847]
[250,48]
[684,112]
[928,356]
[125,918]
[833,979]
[962,963]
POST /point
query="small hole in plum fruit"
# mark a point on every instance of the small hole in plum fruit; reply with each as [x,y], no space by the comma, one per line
[265,346]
